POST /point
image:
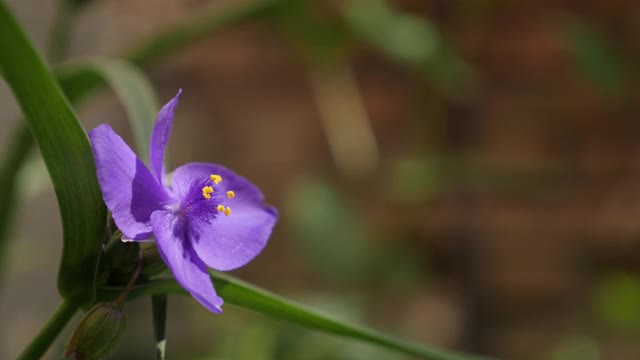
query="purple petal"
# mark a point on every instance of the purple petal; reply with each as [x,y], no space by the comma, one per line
[128,188]
[223,242]
[187,175]
[230,242]
[176,251]
[160,138]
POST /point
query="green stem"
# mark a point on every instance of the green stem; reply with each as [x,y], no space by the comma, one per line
[159,309]
[119,302]
[60,31]
[39,345]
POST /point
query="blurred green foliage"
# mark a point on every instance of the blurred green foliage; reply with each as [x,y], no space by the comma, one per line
[617,301]
[408,38]
[331,236]
[576,348]
[595,56]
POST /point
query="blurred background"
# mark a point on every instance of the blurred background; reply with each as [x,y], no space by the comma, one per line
[460,173]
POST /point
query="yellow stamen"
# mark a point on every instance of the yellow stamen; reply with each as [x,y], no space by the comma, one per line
[227,211]
[206,192]
[231,194]
[215,178]
[220,208]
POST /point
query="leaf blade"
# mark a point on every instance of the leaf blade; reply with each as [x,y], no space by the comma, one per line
[135,93]
[242,294]
[66,152]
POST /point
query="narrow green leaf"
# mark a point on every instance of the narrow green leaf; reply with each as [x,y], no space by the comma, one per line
[196,28]
[79,83]
[134,91]
[22,142]
[66,152]
[241,294]
[411,40]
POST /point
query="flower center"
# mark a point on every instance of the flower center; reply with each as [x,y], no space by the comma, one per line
[208,190]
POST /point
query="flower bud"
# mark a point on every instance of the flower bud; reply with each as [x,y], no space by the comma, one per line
[122,256]
[97,333]
[152,263]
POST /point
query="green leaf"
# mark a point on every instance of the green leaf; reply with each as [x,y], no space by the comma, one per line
[79,82]
[406,37]
[66,152]
[196,28]
[134,91]
[241,294]
[410,40]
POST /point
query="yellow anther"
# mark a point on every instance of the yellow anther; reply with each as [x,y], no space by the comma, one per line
[227,211]
[231,194]
[220,208]
[215,178]
[206,192]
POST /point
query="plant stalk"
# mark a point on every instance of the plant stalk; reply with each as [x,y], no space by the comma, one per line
[39,344]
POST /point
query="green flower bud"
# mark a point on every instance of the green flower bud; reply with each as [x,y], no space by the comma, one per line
[122,256]
[152,263]
[97,333]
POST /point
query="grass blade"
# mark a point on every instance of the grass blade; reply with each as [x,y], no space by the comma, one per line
[135,93]
[66,152]
[242,294]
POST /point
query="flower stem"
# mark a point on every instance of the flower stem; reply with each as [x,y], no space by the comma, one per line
[119,302]
[159,309]
[48,333]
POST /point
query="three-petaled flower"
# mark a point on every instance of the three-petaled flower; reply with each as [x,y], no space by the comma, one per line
[207,217]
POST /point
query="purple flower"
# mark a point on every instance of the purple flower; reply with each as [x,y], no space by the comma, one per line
[207,217]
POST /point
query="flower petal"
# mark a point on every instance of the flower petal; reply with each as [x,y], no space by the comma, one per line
[160,138]
[223,242]
[128,188]
[186,176]
[176,251]
[229,242]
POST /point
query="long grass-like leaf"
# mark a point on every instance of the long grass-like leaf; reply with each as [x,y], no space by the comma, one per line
[242,294]
[66,152]
[135,93]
